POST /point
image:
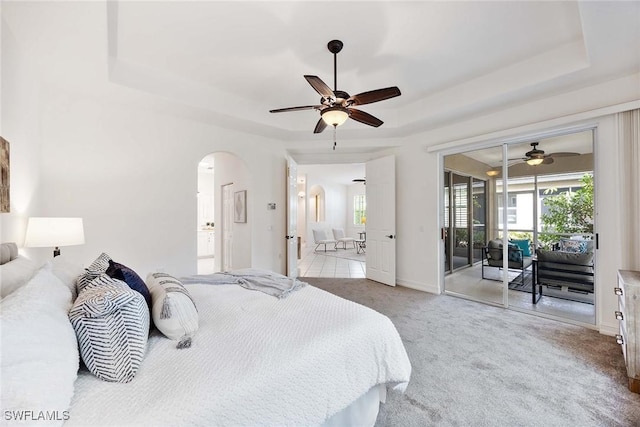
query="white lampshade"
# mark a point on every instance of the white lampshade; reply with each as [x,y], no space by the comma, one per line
[335,116]
[54,232]
[535,161]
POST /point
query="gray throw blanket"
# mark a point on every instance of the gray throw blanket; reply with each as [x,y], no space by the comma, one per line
[264,281]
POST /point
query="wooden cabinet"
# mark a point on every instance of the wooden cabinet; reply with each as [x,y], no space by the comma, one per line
[628,314]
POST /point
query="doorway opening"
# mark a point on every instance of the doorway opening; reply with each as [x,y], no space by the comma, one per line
[328,199]
[512,227]
[223,239]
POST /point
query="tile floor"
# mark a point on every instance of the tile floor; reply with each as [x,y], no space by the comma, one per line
[312,264]
[469,282]
[316,264]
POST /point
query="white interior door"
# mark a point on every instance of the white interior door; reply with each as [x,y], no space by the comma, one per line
[227,228]
[381,220]
[292,218]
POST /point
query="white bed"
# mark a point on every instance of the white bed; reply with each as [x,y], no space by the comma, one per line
[311,358]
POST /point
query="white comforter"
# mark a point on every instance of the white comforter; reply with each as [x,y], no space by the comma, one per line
[255,360]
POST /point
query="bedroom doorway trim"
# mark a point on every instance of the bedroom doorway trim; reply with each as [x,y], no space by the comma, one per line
[226,256]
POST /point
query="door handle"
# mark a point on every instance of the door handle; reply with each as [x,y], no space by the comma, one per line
[391,236]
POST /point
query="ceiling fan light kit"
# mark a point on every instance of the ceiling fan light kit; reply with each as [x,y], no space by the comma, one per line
[335,116]
[535,161]
[336,106]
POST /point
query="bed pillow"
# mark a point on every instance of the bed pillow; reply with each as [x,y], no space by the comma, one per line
[8,252]
[15,274]
[111,321]
[173,311]
[67,271]
[95,269]
[39,352]
[131,278]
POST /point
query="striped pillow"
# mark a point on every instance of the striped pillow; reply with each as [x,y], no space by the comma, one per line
[112,325]
[173,311]
[97,267]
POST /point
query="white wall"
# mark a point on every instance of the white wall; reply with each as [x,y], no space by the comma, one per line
[20,121]
[335,206]
[132,175]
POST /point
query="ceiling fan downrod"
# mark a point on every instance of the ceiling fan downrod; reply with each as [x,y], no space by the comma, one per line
[334,47]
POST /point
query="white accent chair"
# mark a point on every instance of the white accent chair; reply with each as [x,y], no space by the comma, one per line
[320,238]
[339,236]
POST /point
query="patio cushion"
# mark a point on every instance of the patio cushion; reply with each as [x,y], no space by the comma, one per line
[524,244]
[495,249]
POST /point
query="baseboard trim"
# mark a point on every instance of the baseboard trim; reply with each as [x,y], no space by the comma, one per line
[609,330]
[418,286]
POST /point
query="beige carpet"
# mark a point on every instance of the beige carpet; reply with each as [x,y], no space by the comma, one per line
[478,365]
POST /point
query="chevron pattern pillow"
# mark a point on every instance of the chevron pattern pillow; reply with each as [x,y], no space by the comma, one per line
[112,325]
[97,267]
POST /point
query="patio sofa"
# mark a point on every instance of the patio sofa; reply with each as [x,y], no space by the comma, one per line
[570,270]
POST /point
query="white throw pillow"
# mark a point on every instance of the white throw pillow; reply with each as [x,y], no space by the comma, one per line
[67,271]
[39,360]
[173,311]
[15,274]
[111,321]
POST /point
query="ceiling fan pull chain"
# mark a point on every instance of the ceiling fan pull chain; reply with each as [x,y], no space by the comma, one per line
[334,137]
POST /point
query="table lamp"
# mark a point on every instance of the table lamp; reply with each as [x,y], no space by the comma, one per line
[54,232]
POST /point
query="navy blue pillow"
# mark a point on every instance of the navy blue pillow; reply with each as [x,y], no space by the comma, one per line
[130,277]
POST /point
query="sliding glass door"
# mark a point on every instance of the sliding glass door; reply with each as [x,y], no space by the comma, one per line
[497,221]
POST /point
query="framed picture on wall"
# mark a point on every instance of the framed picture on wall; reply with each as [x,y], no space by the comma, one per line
[240,206]
[5,175]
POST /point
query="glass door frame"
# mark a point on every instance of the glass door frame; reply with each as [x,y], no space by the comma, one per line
[505,143]
[450,220]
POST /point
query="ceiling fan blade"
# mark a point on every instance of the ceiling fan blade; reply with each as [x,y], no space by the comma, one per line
[366,118]
[306,107]
[320,126]
[547,160]
[374,96]
[320,86]
[564,154]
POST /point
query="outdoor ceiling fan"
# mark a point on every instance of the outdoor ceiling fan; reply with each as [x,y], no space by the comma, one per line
[536,157]
[336,106]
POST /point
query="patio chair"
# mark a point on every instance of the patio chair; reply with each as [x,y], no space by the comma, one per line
[320,238]
[338,234]
[516,261]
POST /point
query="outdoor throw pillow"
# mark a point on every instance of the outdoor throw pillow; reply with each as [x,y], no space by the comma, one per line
[576,246]
[524,244]
[173,311]
[514,253]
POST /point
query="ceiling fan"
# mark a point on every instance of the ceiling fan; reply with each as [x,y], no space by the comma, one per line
[535,156]
[336,106]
